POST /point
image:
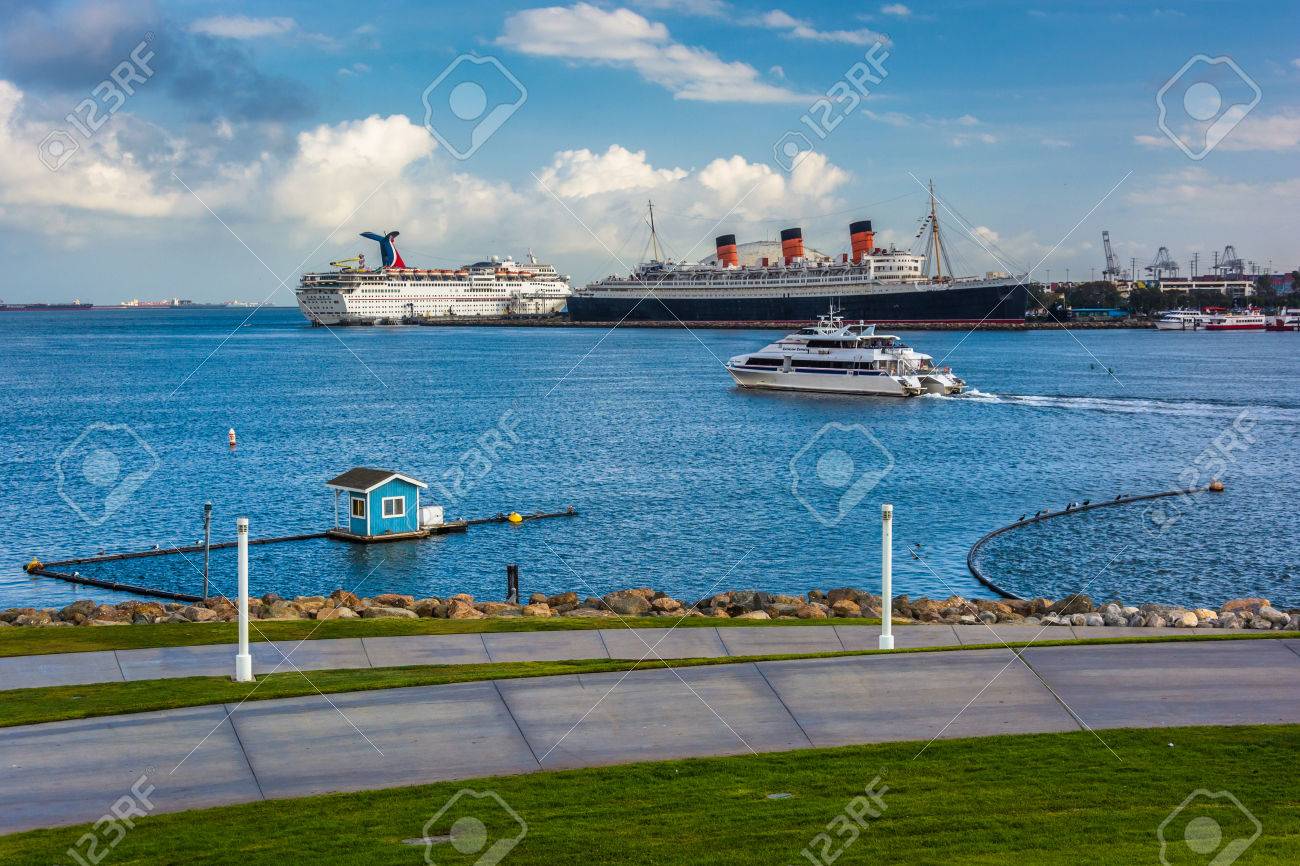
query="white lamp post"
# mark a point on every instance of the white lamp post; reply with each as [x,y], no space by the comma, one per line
[243,661]
[886,576]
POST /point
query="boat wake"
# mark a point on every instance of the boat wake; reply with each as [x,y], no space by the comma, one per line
[1133,406]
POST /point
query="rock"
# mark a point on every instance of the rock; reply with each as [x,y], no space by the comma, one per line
[719,613]
[497,608]
[967,619]
[37,617]
[590,613]
[463,597]
[1114,619]
[1184,619]
[541,609]
[458,608]
[279,609]
[988,617]
[1260,624]
[844,607]
[1071,604]
[381,612]
[564,598]
[110,613]
[1097,619]
[1204,614]
[393,599]
[1078,619]
[427,606]
[1154,620]
[1228,620]
[271,598]
[198,614]
[811,611]
[1245,604]
[1137,620]
[1032,620]
[997,608]
[338,613]
[14,612]
[1110,608]
[537,598]
[754,614]
[343,598]
[97,622]
[79,611]
[627,603]
[1268,612]
[1293,624]
[667,605]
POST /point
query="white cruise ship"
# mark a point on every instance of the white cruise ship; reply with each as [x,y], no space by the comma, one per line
[351,294]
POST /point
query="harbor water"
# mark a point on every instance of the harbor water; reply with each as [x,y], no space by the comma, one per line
[115,428]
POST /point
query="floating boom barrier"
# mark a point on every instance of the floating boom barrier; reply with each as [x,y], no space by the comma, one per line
[1087,505]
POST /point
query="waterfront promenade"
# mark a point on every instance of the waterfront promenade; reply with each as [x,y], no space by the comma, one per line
[222,754]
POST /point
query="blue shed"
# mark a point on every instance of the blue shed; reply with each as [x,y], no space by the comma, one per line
[376,503]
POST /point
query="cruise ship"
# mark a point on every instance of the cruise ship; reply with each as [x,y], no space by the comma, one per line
[869,283]
[352,294]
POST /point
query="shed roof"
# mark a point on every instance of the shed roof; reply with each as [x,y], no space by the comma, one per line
[365,479]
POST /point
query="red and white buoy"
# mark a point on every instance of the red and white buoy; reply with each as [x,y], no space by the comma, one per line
[231,437]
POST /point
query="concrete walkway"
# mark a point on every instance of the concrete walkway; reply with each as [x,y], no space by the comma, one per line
[115,666]
[72,772]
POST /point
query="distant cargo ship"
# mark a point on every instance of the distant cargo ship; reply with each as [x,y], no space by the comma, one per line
[39,308]
[353,295]
[870,283]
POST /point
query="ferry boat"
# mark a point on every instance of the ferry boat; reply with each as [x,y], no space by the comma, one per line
[352,294]
[833,357]
[1284,320]
[870,283]
[1181,320]
[1251,320]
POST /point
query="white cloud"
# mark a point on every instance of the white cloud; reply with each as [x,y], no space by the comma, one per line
[897,9]
[621,37]
[104,175]
[1296,63]
[1055,142]
[799,28]
[944,124]
[1277,132]
[705,8]
[963,139]
[581,173]
[243,27]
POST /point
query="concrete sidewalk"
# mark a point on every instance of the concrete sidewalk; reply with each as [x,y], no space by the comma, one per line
[115,666]
[74,771]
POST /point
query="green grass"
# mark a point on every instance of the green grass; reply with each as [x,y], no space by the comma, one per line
[1041,799]
[60,703]
[23,641]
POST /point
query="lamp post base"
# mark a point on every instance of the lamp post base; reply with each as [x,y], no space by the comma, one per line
[886,641]
[243,668]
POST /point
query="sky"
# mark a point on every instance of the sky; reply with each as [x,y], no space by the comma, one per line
[213,151]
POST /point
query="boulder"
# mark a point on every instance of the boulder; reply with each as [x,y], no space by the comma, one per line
[343,598]
[1244,604]
[393,599]
[988,617]
[78,612]
[811,611]
[754,614]
[198,614]
[38,617]
[497,608]
[1204,614]
[271,598]
[590,613]
[1114,619]
[427,607]
[998,608]
[14,612]
[1078,619]
[1071,604]
[1096,619]
[537,598]
[562,599]
[95,622]
[666,605]
[627,603]
[844,607]
[110,613]
[463,597]
[337,613]
[1268,612]
[458,608]
[1183,619]
[1228,620]
[1154,620]
[382,612]
[540,609]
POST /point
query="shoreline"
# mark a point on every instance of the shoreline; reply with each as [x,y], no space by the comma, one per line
[549,322]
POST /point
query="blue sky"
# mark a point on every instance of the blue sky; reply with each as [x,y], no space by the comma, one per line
[285,126]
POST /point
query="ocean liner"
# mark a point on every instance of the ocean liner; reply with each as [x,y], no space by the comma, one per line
[869,283]
[351,294]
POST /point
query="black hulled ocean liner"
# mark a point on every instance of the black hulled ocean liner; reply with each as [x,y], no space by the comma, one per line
[870,283]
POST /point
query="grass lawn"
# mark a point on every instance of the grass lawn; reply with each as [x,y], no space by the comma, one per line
[58,703]
[25,641]
[1040,799]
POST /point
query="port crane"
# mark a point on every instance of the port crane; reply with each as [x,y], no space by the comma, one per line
[1112,271]
[1228,262]
[1162,263]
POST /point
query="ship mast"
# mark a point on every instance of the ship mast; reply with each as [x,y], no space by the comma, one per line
[934,229]
[654,238]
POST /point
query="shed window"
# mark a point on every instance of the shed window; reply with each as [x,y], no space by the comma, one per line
[394,506]
[359,507]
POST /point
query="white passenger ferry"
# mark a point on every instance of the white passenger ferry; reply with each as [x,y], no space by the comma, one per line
[1181,320]
[837,358]
[351,294]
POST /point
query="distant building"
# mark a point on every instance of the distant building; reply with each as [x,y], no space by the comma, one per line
[1233,287]
[1098,313]
[373,503]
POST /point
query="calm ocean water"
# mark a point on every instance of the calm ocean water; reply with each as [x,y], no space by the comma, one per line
[682,481]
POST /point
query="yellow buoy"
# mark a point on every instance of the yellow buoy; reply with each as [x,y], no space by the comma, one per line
[34,565]
[514,517]
[1216,486]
